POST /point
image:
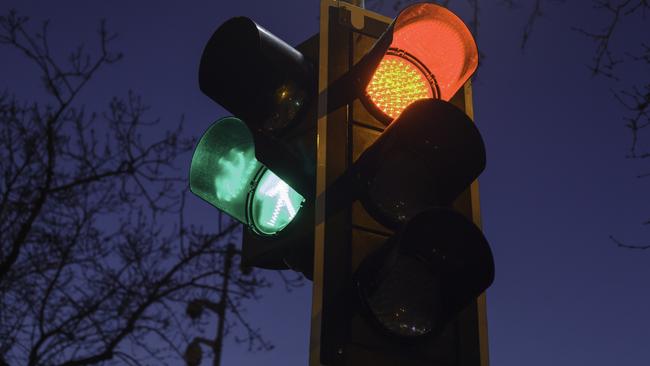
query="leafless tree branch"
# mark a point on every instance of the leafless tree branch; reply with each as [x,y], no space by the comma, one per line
[96,258]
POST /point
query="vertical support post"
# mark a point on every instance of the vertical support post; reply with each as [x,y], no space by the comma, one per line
[340,335]
[217,346]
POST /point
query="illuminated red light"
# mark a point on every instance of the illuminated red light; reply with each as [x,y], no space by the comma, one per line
[431,56]
[397,83]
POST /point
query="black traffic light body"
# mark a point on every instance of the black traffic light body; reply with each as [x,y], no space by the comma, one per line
[351,160]
[399,259]
[293,248]
[259,165]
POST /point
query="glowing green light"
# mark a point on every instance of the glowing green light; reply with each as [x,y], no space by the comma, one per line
[236,170]
[275,204]
[224,167]
[226,173]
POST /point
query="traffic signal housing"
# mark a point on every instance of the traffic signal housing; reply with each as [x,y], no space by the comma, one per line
[437,261]
[256,76]
[258,165]
[368,158]
[402,268]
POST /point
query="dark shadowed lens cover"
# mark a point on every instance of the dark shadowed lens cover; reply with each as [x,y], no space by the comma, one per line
[407,299]
[429,155]
[424,275]
[255,75]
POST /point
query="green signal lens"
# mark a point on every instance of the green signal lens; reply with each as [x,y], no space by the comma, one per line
[224,166]
[275,204]
[237,167]
[226,173]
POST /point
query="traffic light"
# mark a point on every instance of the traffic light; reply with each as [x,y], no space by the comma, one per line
[438,261]
[403,261]
[431,55]
[258,165]
[360,173]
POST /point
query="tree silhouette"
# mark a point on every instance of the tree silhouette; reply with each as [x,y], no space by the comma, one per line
[97,264]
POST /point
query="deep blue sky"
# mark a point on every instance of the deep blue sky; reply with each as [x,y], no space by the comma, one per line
[556,184]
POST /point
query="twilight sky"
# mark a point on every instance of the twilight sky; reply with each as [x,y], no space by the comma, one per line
[555,187]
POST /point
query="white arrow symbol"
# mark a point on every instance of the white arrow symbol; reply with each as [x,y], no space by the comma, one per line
[275,187]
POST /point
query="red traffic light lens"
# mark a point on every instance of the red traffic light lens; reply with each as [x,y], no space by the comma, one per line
[399,80]
[432,54]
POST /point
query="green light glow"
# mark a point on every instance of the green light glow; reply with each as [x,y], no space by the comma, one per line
[224,167]
[226,173]
[236,169]
[275,204]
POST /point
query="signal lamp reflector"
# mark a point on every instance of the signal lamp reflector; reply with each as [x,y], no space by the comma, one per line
[431,55]
[225,173]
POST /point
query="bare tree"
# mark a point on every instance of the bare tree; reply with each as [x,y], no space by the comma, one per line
[229,303]
[632,95]
[96,261]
